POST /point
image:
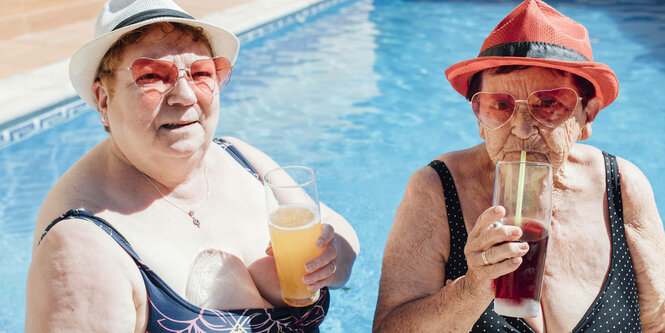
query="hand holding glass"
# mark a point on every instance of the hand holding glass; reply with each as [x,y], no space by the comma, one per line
[517,294]
[294,222]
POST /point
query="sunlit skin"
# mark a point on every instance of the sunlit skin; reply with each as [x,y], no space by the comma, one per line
[80,280]
[523,131]
[413,295]
[137,120]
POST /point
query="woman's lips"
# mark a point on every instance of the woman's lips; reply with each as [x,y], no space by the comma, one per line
[179,125]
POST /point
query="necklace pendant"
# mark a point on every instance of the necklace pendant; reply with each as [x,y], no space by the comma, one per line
[196,221]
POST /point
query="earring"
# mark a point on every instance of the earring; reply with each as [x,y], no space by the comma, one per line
[103,119]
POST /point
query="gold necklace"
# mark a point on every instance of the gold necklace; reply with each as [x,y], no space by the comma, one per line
[190,212]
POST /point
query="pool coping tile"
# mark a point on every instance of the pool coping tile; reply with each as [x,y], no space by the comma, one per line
[25,112]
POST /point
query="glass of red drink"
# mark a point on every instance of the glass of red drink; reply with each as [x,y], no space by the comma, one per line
[517,294]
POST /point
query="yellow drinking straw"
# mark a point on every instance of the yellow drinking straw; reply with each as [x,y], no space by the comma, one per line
[520,189]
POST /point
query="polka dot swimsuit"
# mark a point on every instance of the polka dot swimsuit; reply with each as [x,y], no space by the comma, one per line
[615,309]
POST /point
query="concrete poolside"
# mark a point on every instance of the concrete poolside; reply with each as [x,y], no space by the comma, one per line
[38,37]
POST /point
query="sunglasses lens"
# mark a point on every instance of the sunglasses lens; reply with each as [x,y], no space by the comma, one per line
[208,74]
[154,77]
[223,68]
[204,73]
[553,107]
[493,109]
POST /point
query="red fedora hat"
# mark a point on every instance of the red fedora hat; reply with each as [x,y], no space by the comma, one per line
[535,34]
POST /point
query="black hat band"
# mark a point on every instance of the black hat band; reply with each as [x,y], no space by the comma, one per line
[150,14]
[538,50]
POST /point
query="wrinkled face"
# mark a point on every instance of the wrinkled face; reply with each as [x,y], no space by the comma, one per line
[523,131]
[177,125]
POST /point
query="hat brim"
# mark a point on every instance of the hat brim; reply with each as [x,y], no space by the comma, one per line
[85,61]
[599,74]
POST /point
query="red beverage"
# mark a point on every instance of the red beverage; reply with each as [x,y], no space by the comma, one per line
[523,285]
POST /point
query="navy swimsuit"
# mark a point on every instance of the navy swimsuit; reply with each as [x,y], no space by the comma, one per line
[171,313]
[615,309]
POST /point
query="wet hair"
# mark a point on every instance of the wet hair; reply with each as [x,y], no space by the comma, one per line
[111,59]
[585,89]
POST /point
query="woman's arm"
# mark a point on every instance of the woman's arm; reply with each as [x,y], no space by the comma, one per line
[80,280]
[412,295]
[338,235]
[646,241]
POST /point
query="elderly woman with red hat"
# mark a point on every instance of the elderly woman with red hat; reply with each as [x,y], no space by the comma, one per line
[160,227]
[604,269]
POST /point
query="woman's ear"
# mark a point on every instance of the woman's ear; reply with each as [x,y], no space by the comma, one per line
[590,112]
[102,98]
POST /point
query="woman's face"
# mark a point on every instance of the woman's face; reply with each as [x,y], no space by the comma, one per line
[523,131]
[177,125]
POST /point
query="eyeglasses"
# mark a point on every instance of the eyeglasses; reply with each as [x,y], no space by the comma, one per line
[157,77]
[550,107]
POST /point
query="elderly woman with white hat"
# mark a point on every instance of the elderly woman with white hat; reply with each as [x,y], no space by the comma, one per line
[534,87]
[160,227]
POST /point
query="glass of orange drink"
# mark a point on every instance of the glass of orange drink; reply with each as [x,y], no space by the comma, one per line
[294,222]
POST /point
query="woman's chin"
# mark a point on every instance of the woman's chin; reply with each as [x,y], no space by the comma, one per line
[185,147]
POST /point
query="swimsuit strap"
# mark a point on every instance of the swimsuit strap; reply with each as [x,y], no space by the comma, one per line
[237,155]
[102,224]
[617,303]
[456,265]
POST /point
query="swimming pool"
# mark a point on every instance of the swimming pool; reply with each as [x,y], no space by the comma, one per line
[358,93]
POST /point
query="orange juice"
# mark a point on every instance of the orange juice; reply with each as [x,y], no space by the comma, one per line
[293,232]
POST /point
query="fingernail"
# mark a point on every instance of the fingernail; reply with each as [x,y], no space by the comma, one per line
[524,246]
[516,260]
[319,242]
[497,210]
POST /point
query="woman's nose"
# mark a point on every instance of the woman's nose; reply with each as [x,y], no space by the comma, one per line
[523,124]
[182,92]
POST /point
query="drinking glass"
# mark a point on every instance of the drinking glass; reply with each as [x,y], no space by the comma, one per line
[517,294]
[294,223]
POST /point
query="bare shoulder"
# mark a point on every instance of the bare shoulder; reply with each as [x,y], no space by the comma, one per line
[465,165]
[79,266]
[263,163]
[414,256]
[423,203]
[423,196]
[646,240]
[78,188]
[637,196]
[258,159]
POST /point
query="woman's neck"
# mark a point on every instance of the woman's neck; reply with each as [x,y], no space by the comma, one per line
[178,178]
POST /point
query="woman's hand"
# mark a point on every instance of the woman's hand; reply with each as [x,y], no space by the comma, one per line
[321,270]
[491,251]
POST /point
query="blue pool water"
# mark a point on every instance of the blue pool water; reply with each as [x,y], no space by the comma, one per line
[358,93]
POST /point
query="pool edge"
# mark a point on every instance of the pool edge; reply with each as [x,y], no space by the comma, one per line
[26,113]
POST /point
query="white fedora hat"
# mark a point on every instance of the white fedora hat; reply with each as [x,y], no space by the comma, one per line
[120,16]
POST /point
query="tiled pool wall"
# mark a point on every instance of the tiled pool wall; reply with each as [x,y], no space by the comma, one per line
[48,117]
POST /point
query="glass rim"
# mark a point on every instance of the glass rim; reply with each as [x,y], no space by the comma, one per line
[292,167]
